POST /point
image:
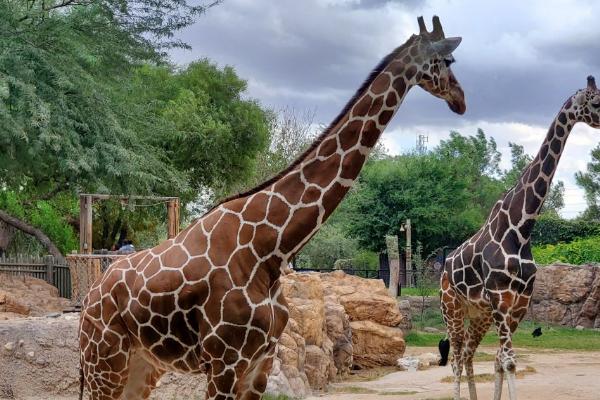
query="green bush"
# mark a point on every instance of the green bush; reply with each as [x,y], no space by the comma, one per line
[552,229]
[366,259]
[579,251]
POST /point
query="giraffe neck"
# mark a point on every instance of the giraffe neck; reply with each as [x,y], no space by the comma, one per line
[524,201]
[318,181]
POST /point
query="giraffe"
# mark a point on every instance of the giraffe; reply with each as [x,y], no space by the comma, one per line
[489,278]
[209,300]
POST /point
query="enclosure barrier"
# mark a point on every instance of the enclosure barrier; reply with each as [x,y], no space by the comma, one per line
[85,269]
[47,268]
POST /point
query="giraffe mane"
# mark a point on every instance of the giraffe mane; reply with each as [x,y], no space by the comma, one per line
[374,72]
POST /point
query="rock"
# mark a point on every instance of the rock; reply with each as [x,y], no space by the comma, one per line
[579,328]
[421,362]
[405,311]
[340,334]
[420,304]
[53,315]
[363,299]
[567,295]
[427,360]
[408,363]
[375,344]
[29,296]
[430,329]
[10,346]
[317,367]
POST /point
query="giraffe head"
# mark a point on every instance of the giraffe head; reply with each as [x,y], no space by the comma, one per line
[586,104]
[435,74]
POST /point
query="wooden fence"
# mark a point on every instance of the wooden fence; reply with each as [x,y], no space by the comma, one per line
[46,268]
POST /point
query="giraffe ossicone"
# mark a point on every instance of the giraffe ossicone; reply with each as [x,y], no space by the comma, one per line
[209,300]
[489,278]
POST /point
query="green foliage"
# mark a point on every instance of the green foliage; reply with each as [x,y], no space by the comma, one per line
[88,103]
[50,217]
[365,259]
[551,229]
[553,338]
[327,246]
[590,182]
[443,193]
[579,251]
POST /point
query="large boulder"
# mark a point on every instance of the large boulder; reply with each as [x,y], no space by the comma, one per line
[567,295]
[375,318]
[22,296]
[363,299]
[376,344]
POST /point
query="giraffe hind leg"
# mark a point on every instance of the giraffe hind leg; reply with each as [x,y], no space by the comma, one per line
[453,314]
[142,379]
[477,329]
[104,358]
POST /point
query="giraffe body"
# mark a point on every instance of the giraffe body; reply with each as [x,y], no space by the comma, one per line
[209,300]
[489,278]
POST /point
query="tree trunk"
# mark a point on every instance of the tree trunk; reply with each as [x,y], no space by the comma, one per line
[7,233]
[31,230]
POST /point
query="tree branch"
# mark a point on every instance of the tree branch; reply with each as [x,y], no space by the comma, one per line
[33,231]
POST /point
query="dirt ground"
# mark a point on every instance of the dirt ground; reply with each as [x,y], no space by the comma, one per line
[563,375]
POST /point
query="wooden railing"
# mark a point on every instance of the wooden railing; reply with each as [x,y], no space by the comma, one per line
[46,268]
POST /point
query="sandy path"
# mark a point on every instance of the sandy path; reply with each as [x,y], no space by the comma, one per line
[563,375]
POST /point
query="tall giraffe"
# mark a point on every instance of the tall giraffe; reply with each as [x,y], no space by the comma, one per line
[209,300]
[489,278]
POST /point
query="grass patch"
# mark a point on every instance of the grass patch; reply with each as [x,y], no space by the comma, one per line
[479,378]
[398,393]
[553,338]
[268,396]
[352,390]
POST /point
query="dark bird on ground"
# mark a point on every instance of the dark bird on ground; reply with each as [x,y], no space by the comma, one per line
[444,347]
[537,332]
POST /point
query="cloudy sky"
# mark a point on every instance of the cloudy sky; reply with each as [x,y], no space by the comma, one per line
[518,63]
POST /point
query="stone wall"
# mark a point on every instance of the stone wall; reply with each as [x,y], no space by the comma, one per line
[567,295]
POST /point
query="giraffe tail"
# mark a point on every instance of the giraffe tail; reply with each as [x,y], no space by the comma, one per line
[80,382]
[444,348]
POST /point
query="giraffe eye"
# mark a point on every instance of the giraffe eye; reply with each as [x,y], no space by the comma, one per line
[596,105]
[449,61]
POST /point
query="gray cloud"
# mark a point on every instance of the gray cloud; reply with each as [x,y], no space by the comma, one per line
[313,54]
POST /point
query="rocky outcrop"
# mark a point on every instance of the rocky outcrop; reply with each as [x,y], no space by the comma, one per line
[375,318]
[567,295]
[28,296]
[363,299]
[310,351]
[376,344]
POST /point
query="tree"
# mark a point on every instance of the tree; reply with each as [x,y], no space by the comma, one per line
[589,181]
[446,193]
[520,160]
[89,103]
[152,22]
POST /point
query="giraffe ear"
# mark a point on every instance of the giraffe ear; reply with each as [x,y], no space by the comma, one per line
[445,47]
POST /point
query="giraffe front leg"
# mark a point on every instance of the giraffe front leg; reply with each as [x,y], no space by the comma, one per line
[505,360]
[499,377]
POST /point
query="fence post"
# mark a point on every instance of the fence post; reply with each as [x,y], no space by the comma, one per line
[49,261]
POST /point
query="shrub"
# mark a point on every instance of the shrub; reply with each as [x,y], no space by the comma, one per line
[579,251]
